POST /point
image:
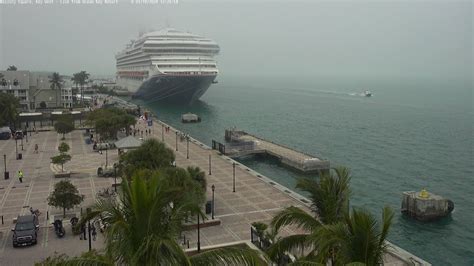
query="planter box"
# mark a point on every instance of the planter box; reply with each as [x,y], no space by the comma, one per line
[62,175]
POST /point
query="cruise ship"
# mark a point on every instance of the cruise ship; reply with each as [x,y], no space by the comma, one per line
[168,66]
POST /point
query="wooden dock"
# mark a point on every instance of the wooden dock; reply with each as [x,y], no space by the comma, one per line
[241,143]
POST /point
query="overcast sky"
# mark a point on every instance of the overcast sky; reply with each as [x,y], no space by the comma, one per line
[337,38]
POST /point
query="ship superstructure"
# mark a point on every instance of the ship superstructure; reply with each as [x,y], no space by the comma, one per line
[168,65]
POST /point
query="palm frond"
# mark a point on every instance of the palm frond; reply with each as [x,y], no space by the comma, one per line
[329,195]
[291,244]
[306,263]
[229,256]
[295,216]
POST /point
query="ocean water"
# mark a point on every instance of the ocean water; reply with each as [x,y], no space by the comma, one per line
[411,134]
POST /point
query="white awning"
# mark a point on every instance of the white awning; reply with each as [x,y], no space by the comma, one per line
[128,143]
[30,114]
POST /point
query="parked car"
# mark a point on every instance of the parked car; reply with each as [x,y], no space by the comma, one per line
[26,230]
[103,146]
[103,171]
[18,134]
[5,133]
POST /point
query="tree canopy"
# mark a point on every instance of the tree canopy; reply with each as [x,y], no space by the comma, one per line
[198,175]
[12,68]
[152,155]
[107,121]
[333,234]
[81,78]
[64,125]
[143,223]
[56,84]
[63,147]
[62,157]
[9,105]
[65,195]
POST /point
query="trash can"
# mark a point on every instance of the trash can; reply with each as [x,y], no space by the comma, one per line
[20,156]
[208,207]
[6,175]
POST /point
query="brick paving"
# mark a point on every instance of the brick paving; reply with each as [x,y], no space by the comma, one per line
[256,198]
[16,197]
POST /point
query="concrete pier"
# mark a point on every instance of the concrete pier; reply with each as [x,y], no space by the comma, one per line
[425,206]
[242,143]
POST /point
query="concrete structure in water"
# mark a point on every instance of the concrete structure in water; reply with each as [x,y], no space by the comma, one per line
[242,143]
[190,118]
[425,206]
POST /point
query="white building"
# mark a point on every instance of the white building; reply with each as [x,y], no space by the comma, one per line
[33,89]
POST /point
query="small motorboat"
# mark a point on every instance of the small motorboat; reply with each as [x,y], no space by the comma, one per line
[367,93]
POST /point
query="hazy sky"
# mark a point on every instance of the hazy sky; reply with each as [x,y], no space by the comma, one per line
[321,38]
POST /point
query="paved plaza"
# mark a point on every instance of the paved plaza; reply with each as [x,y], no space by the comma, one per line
[16,197]
[256,198]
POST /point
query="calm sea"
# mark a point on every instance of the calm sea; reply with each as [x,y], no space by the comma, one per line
[411,134]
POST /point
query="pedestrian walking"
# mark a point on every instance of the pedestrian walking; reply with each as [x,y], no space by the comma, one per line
[20,176]
[36,148]
[93,232]
[83,232]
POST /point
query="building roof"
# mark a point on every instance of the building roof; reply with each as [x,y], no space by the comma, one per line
[128,143]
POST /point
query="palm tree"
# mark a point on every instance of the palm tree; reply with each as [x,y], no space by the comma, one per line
[198,175]
[75,79]
[144,223]
[330,203]
[330,196]
[56,84]
[359,238]
[83,79]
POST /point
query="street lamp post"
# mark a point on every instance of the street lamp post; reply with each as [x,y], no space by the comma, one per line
[106,158]
[162,132]
[187,147]
[5,173]
[21,143]
[16,147]
[213,188]
[115,177]
[26,134]
[176,140]
[88,210]
[199,236]
[90,238]
[233,175]
[209,164]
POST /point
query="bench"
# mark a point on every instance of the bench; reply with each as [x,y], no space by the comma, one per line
[62,175]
